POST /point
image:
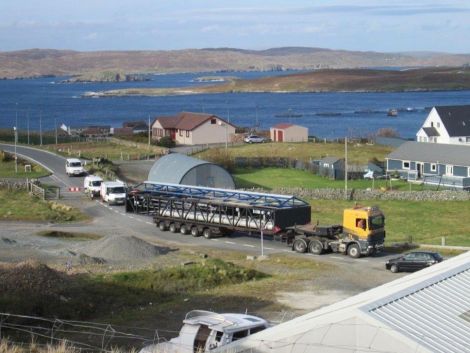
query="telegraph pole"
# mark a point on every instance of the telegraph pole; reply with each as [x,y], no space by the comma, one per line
[40,127]
[346,168]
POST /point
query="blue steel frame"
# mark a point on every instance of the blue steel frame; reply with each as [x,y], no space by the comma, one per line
[225,195]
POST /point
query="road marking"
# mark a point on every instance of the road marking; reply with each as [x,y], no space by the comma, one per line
[131,217]
[229,242]
[269,248]
[122,213]
[337,257]
[149,223]
[215,239]
[116,211]
[286,250]
[248,245]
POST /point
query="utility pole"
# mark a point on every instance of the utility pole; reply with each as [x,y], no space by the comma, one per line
[27,124]
[40,127]
[149,132]
[55,124]
[345,168]
[16,156]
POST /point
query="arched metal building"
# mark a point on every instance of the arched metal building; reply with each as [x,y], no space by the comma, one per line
[178,168]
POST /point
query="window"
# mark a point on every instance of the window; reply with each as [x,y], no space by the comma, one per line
[213,121]
[187,133]
[256,329]
[449,170]
[361,223]
[433,167]
[406,164]
[181,132]
[467,139]
[432,124]
[438,124]
[468,172]
[239,334]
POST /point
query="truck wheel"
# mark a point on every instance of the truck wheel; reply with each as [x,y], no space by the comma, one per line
[394,268]
[173,228]
[207,233]
[184,229]
[315,247]
[194,231]
[300,245]
[162,226]
[353,251]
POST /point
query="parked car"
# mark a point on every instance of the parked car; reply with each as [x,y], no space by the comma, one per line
[254,139]
[413,261]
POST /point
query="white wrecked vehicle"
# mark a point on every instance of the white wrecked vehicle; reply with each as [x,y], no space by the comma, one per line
[204,330]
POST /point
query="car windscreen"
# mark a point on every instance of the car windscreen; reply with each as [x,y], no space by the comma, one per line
[96,183]
[117,190]
[376,222]
[75,164]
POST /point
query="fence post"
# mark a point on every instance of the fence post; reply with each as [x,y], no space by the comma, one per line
[443,241]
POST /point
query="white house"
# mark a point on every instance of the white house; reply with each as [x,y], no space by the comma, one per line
[188,128]
[289,133]
[446,124]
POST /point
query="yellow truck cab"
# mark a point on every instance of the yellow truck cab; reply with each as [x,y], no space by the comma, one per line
[362,233]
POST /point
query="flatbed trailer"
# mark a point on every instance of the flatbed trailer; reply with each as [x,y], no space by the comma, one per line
[216,212]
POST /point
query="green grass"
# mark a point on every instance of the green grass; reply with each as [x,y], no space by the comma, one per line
[271,178]
[357,153]
[422,222]
[19,205]
[68,235]
[7,170]
[106,150]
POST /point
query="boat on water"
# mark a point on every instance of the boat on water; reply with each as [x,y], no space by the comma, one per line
[392,112]
[288,115]
[204,331]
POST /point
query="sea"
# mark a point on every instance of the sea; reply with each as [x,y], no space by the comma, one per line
[43,103]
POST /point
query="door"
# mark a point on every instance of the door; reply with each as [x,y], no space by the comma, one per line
[173,135]
[419,170]
[280,135]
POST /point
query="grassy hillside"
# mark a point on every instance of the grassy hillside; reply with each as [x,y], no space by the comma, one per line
[349,80]
[37,62]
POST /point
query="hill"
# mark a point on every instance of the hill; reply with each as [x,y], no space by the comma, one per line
[42,62]
[340,80]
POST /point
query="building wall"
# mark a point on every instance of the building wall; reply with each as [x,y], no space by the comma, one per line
[157,131]
[293,133]
[212,133]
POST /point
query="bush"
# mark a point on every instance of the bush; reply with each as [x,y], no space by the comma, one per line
[6,157]
[166,141]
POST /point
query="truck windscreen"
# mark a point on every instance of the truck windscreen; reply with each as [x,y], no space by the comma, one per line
[376,222]
[75,164]
[117,190]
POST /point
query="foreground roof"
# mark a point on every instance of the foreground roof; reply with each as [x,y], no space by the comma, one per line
[432,153]
[186,120]
[427,311]
[456,119]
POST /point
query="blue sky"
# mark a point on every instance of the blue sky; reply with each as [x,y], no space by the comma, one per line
[380,25]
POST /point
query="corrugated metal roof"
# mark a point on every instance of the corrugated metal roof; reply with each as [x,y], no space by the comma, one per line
[432,315]
[432,153]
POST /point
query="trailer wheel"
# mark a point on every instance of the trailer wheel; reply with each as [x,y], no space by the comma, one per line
[184,229]
[315,247]
[162,226]
[353,251]
[300,245]
[207,233]
[173,228]
[194,231]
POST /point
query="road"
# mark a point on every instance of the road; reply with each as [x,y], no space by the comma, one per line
[114,219]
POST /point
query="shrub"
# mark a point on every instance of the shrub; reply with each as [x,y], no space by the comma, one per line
[166,141]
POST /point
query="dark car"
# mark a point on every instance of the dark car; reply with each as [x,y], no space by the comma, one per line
[413,261]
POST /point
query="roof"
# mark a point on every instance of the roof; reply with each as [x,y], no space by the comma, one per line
[282,126]
[223,322]
[456,119]
[426,311]
[431,131]
[186,120]
[432,153]
[330,160]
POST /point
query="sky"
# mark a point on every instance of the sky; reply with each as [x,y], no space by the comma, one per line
[365,25]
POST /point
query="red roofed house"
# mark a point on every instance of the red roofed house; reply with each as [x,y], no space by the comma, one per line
[193,128]
[289,133]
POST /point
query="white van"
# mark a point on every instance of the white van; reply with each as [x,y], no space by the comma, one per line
[113,192]
[92,185]
[74,166]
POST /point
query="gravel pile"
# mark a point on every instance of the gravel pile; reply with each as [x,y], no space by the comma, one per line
[122,248]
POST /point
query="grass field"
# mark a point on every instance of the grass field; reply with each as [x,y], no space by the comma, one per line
[12,208]
[7,170]
[357,153]
[271,178]
[107,150]
[421,222]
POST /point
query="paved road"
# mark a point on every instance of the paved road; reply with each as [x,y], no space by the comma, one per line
[111,219]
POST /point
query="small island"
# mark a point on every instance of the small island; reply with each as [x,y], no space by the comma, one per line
[107,76]
[326,80]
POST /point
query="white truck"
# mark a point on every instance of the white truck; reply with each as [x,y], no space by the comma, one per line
[74,167]
[113,192]
[92,185]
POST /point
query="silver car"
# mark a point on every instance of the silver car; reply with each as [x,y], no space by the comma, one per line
[254,139]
